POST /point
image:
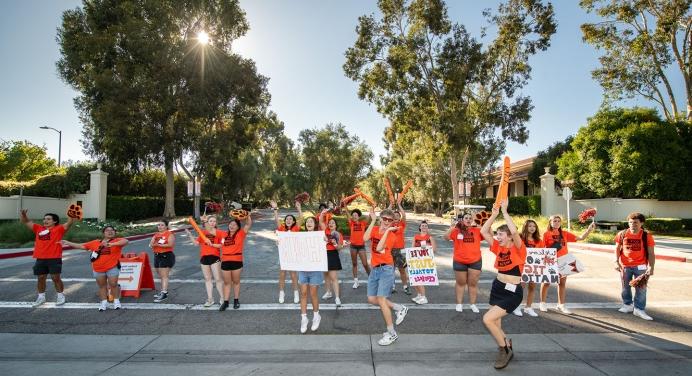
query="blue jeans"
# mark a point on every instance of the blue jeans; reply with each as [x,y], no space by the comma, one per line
[630,273]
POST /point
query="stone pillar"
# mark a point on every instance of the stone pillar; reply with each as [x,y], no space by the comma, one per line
[548,194]
[96,201]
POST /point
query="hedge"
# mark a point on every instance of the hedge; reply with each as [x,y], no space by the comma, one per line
[129,208]
[663,224]
[520,205]
[687,223]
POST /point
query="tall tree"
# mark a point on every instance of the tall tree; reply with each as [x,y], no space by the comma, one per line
[23,161]
[429,75]
[548,158]
[646,45]
[150,85]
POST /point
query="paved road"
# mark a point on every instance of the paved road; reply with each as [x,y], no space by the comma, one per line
[156,338]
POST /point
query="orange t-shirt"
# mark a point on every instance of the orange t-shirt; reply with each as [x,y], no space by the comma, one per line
[377,258]
[552,236]
[632,249]
[110,255]
[295,228]
[159,239]
[508,258]
[399,235]
[357,231]
[418,238]
[533,244]
[47,241]
[331,235]
[207,250]
[232,247]
[467,244]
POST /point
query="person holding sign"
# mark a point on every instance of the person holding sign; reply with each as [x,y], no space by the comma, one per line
[105,262]
[358,227]
[422,239]
[210,260]
[467,263]
[290,223]
[162,244]
[232,260]
[48,253]
[532,239]
[309,283]
[335,241]
[556,237]
[506,293]
[381,278]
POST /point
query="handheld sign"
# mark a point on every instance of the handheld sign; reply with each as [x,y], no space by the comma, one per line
[541,266]
[302,251]
[503,190]
[422,270]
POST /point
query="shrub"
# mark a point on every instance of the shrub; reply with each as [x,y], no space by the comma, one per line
[519,205]
[663,224]
[15,232]
[687,223]
[129,208]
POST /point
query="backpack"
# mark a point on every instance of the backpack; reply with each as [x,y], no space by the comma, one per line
[645,241]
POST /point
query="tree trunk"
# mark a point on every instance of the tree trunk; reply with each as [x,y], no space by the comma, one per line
[455,182]
[169,207]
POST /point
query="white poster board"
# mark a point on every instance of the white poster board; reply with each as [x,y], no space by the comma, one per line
[568,265]
[130,274]
[422,270]
[541,266]
[302,251]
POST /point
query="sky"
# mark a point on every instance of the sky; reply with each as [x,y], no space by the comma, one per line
[300,46]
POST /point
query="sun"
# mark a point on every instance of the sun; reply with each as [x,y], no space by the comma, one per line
[203,38]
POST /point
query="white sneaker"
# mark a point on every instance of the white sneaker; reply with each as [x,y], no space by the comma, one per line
[117,304]
[401,315]
[562,309]
[316,318]
[39,301]
[337,301]
[282,296]
[474,309]
[642,314]
[60,299]
[296,297]
[327,295]
[303,323]
[355,283]
[104,305]
[517,312]
[543,307]
[530,312]
[387,339]
[460,308]
[626,308]
[208,303]
[422,300]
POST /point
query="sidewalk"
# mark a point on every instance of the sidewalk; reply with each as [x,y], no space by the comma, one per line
[170,355]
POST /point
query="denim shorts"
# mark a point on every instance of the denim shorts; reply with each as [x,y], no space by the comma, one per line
[311,278]
[381,281]
[112,272]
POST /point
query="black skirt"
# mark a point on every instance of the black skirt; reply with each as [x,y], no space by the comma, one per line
[333,260]
[505,299]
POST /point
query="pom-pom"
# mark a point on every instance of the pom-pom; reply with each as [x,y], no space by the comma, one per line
[302,197]
[640,282]
[587,214]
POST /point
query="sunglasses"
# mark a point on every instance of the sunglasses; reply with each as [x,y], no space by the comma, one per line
[387,219]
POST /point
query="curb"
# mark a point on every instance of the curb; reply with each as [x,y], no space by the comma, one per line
[611,250]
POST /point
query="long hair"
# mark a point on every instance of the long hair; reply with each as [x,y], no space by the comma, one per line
[525,231]
[550,219]
[295,223]
[460,224]
[237,222]
[314,220]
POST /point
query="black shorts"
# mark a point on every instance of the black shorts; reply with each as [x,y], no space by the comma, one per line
[505,299]
[164,260]
[460,267]
[399,258]
[357,248]
[231,265]
[48,266]
[333,260]
[209,260]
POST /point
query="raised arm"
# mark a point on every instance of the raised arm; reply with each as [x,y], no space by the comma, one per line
[275,208]
[192,238]
[586,233]
[23,218]
[373,219]
[73,245]
[248,223]
[69,223]
[450,229]
[485,230]
[402,212]
[299,220]
[512,227]
[321,219]
[120,243]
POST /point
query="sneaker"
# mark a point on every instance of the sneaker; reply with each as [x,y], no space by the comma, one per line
[282,296]
[460,308]
[60,299]
[208,303]
[626,308]
[355,283]
[303,323]
[422,300]
[39,300]
[104,305]
[157,295]
[474,309]
[562,309]
[163,296]
[530,312]
[517,312]
[327,295]
[401,315]
[407,291]
[394,289]
[387,339]
[642,314]
[223,306]
[117,305]
[337,301]
[504,355]
[236,304]
[316,318]
[296,297]
[543,307]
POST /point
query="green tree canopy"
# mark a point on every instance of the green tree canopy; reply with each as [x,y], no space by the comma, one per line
[24,161]
[548,158]
[630,153]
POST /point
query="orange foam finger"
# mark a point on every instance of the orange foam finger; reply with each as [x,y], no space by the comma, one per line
[388,187]
[199,231]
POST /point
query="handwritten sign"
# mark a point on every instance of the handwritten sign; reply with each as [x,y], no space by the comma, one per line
[541,266]
[422,270]
[302,251]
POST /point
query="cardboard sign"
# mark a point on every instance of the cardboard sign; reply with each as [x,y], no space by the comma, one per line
[302,251]
[422,270]
[541,266]
[135,274]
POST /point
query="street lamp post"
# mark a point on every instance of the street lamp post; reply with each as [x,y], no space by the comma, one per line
[59,141]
